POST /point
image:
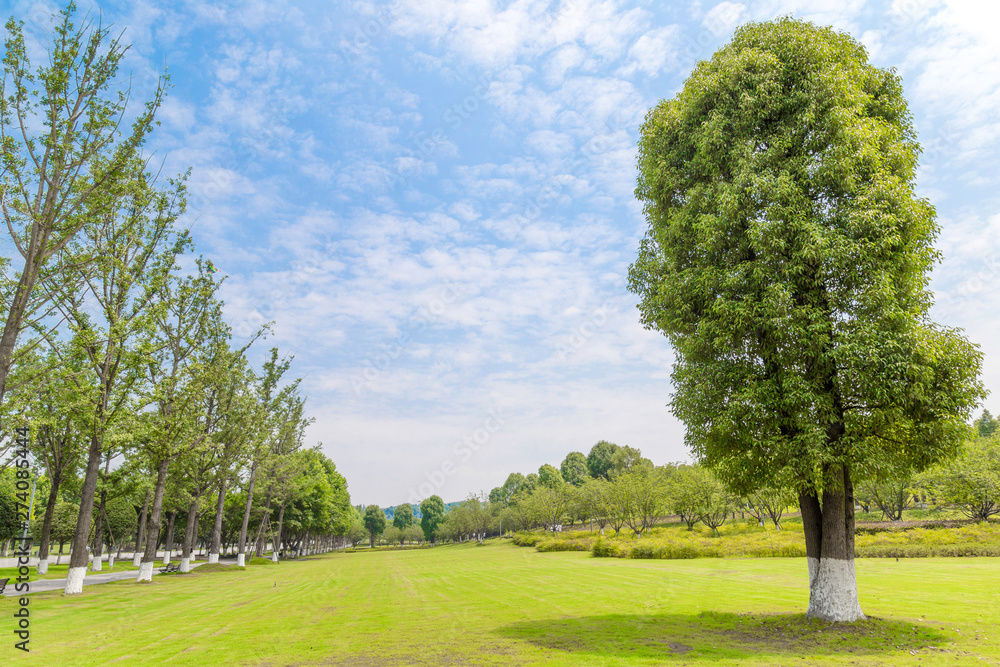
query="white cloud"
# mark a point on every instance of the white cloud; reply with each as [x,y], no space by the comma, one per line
[723,18]
[653,52]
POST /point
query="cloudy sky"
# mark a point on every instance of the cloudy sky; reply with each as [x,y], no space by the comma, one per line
[433,202]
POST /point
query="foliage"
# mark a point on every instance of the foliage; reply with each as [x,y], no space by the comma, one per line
[432,515]
[550,477]
[402,517]
[574,468]
[986,425]
[121,520]
[891,496]
[770,502]
[9,525]
[63,152]
[787,260]
[599,460]
[628,459]
[64,521]
[972,481]
[374,521]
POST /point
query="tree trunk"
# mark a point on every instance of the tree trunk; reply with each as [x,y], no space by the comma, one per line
[153,528]
[136,556]
[189,535]
[241,556]
[43,548]
[78,553]
[829,532]
[169,546]
[277,535]
[15,316]
[98,551]
[262,538]
[213,550]
[101,518]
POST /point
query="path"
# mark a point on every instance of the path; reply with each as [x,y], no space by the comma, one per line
[42,585]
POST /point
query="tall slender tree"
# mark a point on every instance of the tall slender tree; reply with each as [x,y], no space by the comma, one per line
[62,149]
[132,236]
[186,316]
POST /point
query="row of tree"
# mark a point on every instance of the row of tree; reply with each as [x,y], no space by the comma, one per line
[616,487]
[122,368]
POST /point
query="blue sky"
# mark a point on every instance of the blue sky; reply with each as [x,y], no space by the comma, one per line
[433,201]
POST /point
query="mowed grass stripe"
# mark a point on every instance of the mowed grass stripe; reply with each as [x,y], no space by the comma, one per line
[498,604]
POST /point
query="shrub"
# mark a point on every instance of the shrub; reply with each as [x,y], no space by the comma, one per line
[528,539]
[607,549]
[584,544]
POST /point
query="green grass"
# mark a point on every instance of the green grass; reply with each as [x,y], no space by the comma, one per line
[499,605]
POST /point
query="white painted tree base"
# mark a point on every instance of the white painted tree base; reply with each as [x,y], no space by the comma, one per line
[145,571]
[274,557]
[74,580]
[833,591]
[213,558]
[111,561]
[95,563]
[166,558]
[241,560]
[43,566]
[136,560]
[185,565]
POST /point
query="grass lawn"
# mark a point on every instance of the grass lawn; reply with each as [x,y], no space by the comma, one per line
[503,605]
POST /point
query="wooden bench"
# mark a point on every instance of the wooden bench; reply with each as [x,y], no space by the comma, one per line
[172,567]
[3,584]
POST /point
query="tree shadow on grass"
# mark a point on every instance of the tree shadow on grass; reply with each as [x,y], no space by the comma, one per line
[712,636]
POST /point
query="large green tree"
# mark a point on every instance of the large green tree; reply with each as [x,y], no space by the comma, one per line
[574,468]
[787,261]
[599,460]
[374,522]
[402,517]
[431,516]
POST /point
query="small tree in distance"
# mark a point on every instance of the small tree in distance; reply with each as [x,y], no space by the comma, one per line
[374,523]
[432,515]
[402,517]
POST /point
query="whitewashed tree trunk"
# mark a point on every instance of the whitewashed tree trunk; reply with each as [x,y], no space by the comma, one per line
[153,522]
[111,559]
[96,563]
[74,580]
[833,594]
[185,565]
[213,558]
[43,565]
[136,559]
[145,571]
[240,560]
[215,543]
[829,531]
